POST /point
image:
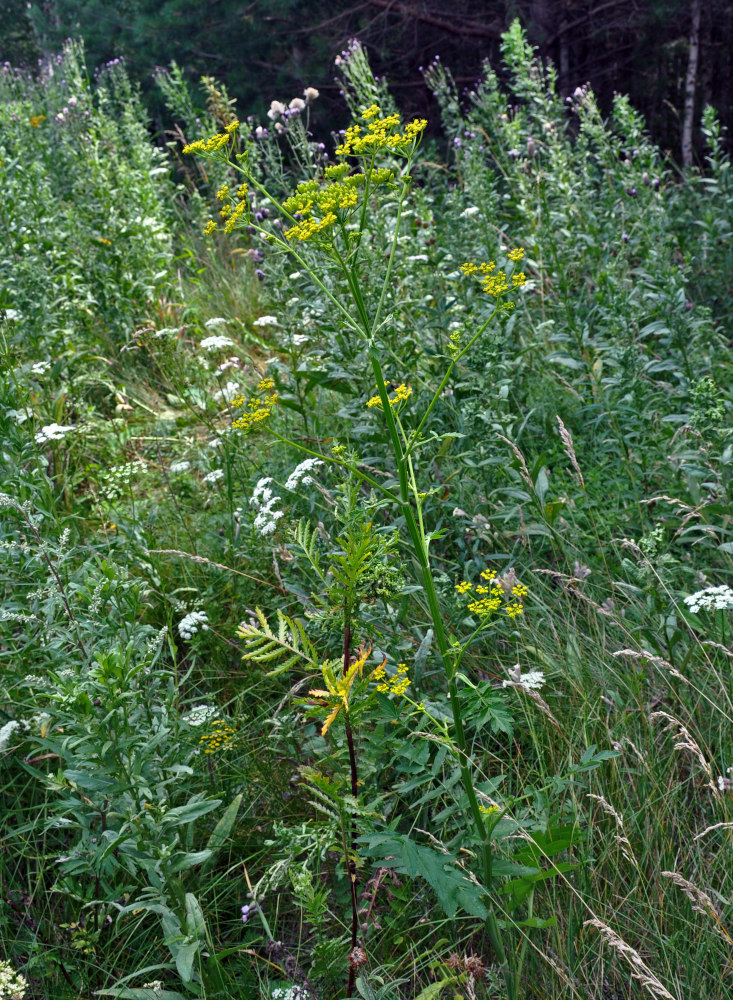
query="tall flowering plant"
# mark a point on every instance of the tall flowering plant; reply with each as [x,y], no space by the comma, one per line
[324,226]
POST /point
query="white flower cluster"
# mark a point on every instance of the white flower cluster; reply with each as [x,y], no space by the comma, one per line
[190,624]
[291,993]
[199,714]
[533,680]
[710,599]
[227,392]
[214,476]
[176,468]
[53,432]
[40,367]
[12,985]
[216,343]
[5,733]
[266,520]
[299,473]
[119,478]
[156,985]
[266,321]
[214,322]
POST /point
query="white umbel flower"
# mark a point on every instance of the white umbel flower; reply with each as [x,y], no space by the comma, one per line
[53,432]
[710,599]
[299,473]
[191,623]
[5,733]
[13,986]
[216,343]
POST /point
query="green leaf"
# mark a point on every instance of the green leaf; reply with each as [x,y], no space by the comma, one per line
[221,831]
[452,887]
[184,957]
[435,989]
[195,922]
[193,809]
[130,993]
[186,861]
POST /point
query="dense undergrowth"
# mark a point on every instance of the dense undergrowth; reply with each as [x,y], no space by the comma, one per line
[227,722]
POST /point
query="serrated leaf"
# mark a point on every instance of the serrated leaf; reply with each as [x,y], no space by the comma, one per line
[452,887]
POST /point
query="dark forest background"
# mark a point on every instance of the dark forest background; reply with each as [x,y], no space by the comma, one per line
[668,55]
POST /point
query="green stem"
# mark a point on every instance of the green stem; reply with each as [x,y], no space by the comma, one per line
[420,548]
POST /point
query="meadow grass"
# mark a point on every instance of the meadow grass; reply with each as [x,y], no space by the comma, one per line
[254,738]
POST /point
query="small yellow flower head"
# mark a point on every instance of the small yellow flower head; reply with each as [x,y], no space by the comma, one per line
[242,191]
[37,119]
[513,610]
[495,285]
[223,192]
[519,279]
[516,255]
[519,590]
[401,394]
[396,685]
[380,134]
[468,268]
[464,587]
[258,407]
[489,810]
[232,127]
[209,228]
[221,736]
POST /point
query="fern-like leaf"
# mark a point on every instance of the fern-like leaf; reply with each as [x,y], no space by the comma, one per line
[288,643]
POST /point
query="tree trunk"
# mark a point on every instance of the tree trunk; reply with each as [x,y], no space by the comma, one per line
[690,82]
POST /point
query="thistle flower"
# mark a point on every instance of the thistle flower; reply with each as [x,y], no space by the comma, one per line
[277,108]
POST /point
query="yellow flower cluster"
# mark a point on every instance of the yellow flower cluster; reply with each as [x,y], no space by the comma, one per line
[37,119]
[259,407]
[392,685]
[380,134]
[495,282]
[338,194]
[221,735]
[491,598]
[402,393]
[230,213]
[309,227]
[215,143]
